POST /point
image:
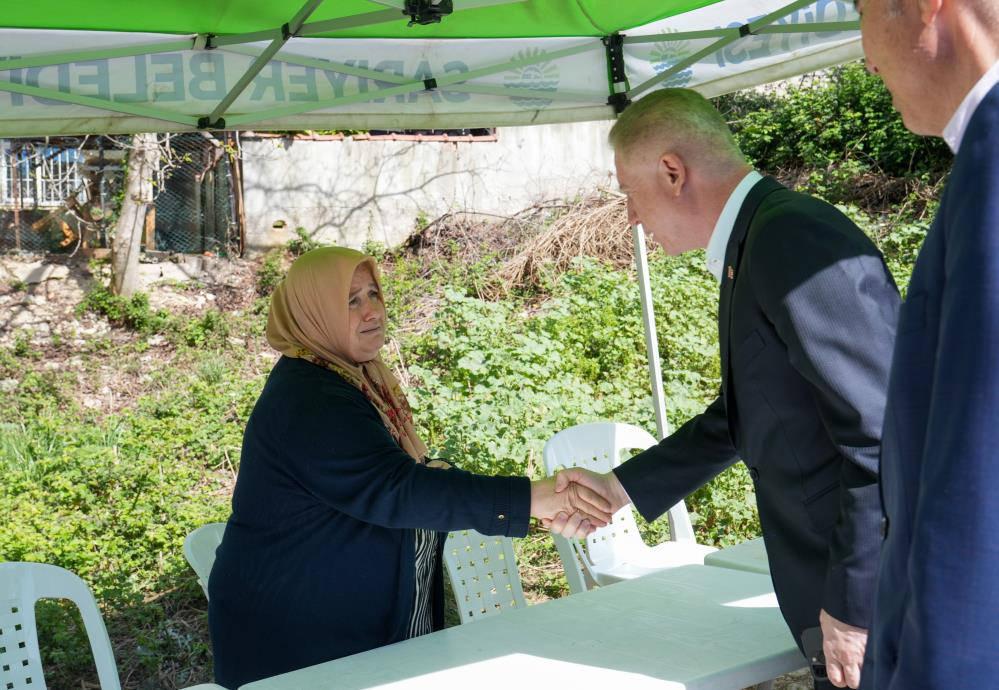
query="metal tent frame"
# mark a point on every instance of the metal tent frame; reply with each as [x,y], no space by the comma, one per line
[220,118]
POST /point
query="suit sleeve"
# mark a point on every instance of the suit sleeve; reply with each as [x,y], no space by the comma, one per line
[664,474]
[948,636]
[834,305]
[350,462]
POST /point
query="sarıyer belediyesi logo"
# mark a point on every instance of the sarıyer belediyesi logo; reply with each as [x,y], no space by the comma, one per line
[539,76]
[666,54]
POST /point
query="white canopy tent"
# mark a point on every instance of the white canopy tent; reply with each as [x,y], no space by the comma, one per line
[114,66]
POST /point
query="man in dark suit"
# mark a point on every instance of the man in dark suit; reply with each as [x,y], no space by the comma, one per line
[806,326]
[936,616]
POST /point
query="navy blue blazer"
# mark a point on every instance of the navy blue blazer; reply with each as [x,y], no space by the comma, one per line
[806,328]
[317,559]
[936,622]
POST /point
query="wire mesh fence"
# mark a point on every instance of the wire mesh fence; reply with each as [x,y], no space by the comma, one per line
[195,207]
[35,177]
[58,194]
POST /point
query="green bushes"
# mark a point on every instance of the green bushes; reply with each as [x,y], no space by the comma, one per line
[270,272]
[125,312]
[837,129]
[111,497]
[497,379]
[134,313]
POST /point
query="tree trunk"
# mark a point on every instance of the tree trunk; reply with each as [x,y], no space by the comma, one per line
[143,162]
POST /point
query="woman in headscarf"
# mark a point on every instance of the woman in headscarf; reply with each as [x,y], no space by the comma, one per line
[334,545]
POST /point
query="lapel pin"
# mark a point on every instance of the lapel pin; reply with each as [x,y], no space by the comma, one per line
[731,273]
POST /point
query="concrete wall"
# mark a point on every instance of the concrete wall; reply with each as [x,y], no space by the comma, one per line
[351,191]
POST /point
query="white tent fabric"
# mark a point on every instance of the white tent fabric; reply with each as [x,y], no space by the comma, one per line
[78,82]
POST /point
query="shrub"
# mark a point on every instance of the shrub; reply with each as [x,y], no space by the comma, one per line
[497,379]
[132,312]
[302,242]
[837,127]
[209,329]
[270,272]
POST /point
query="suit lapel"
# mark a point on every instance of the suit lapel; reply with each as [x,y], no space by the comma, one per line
[731,271]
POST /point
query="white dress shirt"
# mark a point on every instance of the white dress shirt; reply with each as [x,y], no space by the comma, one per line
[954,131]
[726,223]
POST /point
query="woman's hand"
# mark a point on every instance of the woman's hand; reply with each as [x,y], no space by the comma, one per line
[606,485]
[438,464]
[586,509]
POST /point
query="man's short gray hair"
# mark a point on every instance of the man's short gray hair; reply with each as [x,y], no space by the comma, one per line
[680,120]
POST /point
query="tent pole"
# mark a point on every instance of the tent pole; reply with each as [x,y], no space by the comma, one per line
[325,65]
[651,341]
[683,64]
[98,103]
[343,100]
[680,36]
[214,120]
[62,58]
[745,30]
[817,28]
[680,528]
[441,80]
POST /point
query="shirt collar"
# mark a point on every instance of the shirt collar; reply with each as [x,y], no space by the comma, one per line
[954,131]
[718,243]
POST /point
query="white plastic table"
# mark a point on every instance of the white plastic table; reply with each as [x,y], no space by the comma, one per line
[750,556]
[694,627]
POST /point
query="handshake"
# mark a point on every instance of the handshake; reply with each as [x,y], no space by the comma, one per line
[576,501]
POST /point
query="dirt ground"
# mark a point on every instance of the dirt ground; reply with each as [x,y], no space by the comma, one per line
[39,299]
[39,293]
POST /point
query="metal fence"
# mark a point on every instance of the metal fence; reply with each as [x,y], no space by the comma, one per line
[35,178]
[59,194]
[196,206]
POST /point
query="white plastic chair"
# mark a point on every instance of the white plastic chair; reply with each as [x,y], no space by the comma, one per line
[21,586]
[199,550]
[484,575]
[615,552]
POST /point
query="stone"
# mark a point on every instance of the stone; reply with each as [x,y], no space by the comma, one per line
[38,272]
[22,319]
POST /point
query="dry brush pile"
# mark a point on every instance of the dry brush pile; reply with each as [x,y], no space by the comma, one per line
[536,242]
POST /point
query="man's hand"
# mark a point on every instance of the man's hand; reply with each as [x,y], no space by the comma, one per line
[576,478]
[583,508]
[606,485]
[843,645]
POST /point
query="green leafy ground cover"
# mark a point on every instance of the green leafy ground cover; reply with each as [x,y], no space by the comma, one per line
[110,491]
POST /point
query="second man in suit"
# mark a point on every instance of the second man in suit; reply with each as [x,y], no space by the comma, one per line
[806,326]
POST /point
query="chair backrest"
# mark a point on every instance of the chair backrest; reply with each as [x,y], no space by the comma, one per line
[484,575]
[21,586]
[601,446]
[199,550]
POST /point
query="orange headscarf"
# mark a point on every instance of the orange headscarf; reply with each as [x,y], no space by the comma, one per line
[309,320]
